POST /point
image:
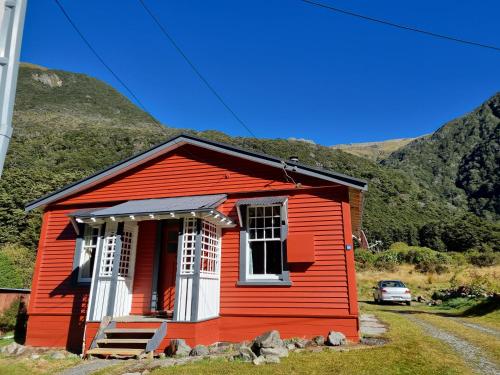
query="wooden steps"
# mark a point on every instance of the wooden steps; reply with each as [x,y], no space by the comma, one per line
[122,341]
[130,330]
[126,342]
[116,352]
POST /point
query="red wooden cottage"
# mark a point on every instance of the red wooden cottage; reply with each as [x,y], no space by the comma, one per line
[197,240]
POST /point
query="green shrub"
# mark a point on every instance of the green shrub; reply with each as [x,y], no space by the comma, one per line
[16,266]
[483,256]
[387,260]
[9,317]
[364,259]
[9,278]
[458,259]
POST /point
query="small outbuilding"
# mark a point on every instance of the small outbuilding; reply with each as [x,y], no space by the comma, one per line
[195,240]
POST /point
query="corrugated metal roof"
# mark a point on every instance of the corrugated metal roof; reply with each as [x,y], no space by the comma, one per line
[263,201]
[151,206]
[216,146]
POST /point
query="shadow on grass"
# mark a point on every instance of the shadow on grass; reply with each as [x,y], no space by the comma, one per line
[485,307]
[481,308]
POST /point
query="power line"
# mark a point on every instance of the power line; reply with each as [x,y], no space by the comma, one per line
[195,69]
[399,26]
[96,54]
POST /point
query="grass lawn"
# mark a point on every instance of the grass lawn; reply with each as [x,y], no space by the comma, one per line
[42,366]
[409,352]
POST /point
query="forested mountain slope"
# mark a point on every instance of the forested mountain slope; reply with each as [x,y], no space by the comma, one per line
[68,125]
[460,161]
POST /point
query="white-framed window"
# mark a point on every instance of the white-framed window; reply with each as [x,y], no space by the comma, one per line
[90,242]
[265,242]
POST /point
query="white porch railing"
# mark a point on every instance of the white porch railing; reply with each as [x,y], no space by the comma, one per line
[198,281]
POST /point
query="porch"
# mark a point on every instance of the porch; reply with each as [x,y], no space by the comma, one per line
[175,245]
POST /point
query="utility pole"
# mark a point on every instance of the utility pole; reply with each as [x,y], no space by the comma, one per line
[12,13]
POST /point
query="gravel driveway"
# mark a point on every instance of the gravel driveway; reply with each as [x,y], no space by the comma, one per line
[479,327]
[469,352]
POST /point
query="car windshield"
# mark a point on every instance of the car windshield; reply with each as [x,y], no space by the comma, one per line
[392,284]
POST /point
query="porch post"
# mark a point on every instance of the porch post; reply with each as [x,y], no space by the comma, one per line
[178,273]
[156,264]
[116,266]
[195,293]
[95,273]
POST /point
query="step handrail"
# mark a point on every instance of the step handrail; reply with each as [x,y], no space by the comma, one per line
[157,338]
[106,323]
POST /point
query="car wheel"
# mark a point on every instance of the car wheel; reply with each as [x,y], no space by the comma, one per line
[408,303]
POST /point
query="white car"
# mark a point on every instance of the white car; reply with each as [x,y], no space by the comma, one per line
[391,291]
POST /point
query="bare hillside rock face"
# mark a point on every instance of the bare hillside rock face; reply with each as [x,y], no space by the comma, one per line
[49,79]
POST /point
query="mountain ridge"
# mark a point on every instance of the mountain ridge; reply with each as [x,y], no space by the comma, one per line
[376,150]
[452,160]
[69,125]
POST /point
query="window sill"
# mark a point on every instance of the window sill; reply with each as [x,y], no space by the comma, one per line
[264,283]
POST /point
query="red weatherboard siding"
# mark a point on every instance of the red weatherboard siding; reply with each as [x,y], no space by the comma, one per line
[319,290]
[57,306]
[146,242]
[188,171]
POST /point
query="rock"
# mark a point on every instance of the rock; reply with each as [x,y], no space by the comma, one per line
[246,354]
[301,343]
[319,340]
[260,360]
[49,79]
[335,339]
[162,356]
[34,357]
[274,352]
[199,350]
[291,346]
[178,347]
[221,347]
[269,339]
[13,349]
[58,355]
[272,359]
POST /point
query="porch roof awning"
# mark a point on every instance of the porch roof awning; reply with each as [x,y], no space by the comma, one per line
[146,209]
[262,201]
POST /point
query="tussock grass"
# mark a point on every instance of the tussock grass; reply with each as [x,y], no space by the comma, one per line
[425,284]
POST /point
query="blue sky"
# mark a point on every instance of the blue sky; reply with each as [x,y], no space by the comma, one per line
[286,68]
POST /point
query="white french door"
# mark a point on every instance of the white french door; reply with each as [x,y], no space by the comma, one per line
[103,291]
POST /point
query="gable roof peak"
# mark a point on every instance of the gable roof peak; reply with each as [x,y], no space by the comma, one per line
[184,138]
